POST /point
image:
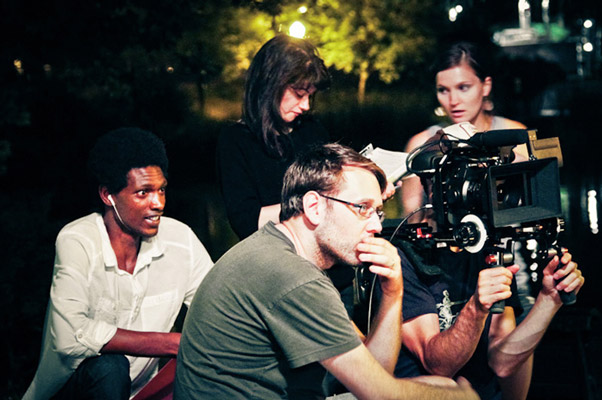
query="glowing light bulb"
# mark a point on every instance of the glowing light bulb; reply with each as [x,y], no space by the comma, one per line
[588,47]
[453,14]
[297,29]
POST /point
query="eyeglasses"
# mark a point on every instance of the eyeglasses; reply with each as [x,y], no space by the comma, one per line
[362,209]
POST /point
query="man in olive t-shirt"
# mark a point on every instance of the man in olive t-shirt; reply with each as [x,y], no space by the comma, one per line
[266,319]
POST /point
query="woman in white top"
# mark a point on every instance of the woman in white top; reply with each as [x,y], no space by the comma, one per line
[463,90]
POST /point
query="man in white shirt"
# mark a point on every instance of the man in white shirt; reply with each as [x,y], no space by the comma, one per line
[119,280]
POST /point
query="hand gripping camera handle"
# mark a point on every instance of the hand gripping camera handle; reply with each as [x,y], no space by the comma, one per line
[567,298]
[494,260]
[498,307]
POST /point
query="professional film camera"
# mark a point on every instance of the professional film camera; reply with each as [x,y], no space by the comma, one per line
[480,200]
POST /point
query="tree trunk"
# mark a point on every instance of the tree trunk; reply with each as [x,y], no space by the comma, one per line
[361,88]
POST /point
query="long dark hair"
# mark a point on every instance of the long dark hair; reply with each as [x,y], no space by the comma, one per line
[282,62]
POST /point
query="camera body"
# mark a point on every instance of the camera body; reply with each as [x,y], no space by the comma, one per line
[482,200]
[479,196]
[499,194]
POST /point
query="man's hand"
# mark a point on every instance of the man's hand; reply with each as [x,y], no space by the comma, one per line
[494,285]
[385,263]
[567,278]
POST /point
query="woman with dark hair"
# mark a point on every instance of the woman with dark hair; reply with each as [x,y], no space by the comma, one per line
[254,153]
[464,93]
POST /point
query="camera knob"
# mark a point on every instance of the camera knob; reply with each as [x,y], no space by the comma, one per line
[471,234]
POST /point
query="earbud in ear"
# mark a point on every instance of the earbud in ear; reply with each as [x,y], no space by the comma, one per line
[115,208]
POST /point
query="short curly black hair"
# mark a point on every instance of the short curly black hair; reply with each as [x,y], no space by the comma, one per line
[119,151]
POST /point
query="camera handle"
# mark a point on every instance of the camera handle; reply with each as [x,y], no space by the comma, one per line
[499,257]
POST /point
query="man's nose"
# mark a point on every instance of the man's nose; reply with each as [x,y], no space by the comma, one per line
[374,225]
[158,201]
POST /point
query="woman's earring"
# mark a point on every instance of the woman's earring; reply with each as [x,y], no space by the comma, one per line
[487,104]
[440,112]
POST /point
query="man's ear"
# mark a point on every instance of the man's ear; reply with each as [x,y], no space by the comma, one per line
[104,194]
[313,207]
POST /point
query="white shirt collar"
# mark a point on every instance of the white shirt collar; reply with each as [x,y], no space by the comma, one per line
[150,248]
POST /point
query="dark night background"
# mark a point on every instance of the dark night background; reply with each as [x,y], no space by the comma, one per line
[70,71]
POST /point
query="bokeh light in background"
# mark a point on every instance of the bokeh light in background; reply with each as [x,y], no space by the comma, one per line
[297,29]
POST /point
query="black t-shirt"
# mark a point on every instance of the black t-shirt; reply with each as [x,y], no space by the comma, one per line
[250,178]
[443,288]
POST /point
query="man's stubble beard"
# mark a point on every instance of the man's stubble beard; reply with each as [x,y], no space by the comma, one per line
[332,245]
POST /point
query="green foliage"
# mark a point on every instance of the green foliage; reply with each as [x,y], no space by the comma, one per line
[362,38]
[372,36]
[245,31]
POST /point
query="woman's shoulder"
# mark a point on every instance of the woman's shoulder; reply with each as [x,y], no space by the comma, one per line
[421,137]
[506,123]
[234,128]
[235,133]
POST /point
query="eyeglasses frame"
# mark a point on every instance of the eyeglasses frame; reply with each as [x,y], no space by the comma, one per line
[360,206]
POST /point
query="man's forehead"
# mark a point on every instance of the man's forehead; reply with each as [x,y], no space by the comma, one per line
[359,182]
[145,174]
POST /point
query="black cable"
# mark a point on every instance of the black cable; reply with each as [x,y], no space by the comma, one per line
[424,207]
